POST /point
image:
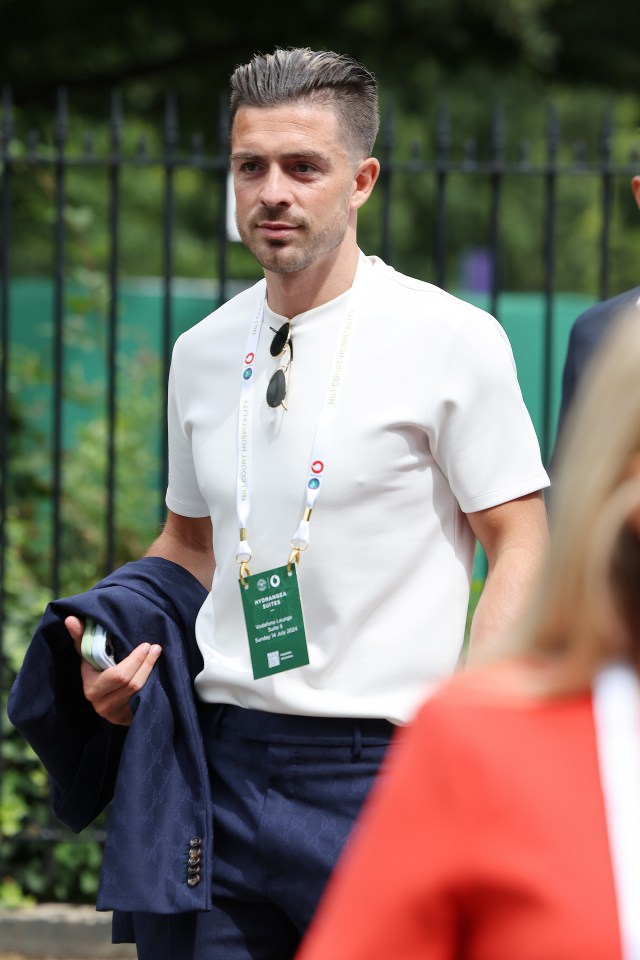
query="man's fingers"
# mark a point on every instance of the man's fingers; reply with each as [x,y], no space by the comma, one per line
[146,666]
[75,626]
[133,671]
[110,691]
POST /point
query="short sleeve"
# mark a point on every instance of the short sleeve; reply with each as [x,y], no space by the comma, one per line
[483,438]
[183,493]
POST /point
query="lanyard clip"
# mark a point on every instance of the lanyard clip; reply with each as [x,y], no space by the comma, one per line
[294,557]
[244,571]
[243,556]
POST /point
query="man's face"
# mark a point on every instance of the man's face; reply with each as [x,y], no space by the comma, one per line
[294,181]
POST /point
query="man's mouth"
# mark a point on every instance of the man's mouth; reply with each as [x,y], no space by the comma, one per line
[276,229]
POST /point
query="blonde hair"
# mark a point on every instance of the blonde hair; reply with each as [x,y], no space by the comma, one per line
[587,608]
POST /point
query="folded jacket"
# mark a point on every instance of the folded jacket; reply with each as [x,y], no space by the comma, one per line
[154,772]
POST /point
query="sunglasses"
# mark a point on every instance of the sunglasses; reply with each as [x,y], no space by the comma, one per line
[281,346]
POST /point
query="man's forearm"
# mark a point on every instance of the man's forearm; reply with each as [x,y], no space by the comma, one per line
[506,594]
[515,538]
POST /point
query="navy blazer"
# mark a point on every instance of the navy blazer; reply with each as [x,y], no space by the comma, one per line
[585,336]
[157,854]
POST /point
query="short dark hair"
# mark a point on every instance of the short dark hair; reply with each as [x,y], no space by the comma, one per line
[315,76]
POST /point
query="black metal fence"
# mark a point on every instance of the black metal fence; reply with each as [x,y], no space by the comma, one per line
[62,152]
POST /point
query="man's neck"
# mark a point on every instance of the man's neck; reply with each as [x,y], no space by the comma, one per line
[290,294]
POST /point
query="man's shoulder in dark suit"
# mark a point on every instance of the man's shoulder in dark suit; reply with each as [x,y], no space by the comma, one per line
[586,333]
[589,328]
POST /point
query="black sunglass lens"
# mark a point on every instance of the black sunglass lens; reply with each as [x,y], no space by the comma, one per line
[277,389]
[279,340]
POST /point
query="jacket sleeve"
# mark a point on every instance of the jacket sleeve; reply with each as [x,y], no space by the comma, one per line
[79,750]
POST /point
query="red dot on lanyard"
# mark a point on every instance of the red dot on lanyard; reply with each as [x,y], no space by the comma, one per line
[317,466]
[249,358]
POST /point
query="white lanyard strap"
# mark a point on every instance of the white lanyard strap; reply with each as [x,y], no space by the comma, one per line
[245,420]
[326,424]
[323,433]
[616,707]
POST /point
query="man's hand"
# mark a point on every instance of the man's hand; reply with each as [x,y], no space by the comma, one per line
[109,691]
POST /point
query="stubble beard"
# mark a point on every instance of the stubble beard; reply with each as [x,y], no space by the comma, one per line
[291,256]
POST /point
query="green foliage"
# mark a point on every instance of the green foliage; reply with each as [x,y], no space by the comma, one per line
[76,865]
[520,118]
[138,486]
[147,47]
[32,867]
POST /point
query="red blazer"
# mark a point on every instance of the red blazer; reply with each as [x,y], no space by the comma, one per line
[484,839]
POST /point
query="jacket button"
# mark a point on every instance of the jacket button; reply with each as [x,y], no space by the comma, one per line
[194,858]
[193,881]
[195,842]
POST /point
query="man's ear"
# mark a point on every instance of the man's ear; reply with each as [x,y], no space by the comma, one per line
[365,178]
[635,186]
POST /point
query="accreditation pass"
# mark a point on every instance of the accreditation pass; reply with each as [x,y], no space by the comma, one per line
[275,625]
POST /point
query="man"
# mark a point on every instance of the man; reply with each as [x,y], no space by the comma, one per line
[588,330]
[371,418]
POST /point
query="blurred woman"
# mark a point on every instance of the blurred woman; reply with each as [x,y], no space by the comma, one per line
[506,824]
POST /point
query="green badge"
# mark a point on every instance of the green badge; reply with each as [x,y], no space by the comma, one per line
[275,625]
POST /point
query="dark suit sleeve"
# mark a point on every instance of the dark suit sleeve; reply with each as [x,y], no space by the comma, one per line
[587,333]
[570,374]
[79,750]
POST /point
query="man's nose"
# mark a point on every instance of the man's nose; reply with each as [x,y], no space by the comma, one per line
[275,190]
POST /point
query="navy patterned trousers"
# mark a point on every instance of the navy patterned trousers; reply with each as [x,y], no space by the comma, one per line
[286,792]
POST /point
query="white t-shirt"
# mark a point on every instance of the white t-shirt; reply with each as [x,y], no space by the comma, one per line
[430,423]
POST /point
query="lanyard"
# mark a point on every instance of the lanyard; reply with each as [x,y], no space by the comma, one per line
[616,707]
[322,438]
